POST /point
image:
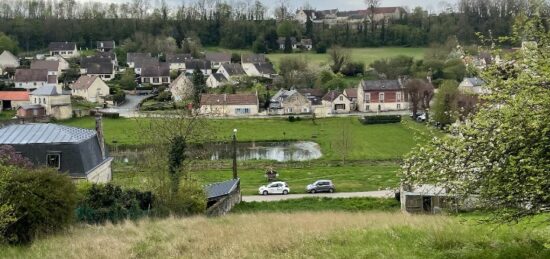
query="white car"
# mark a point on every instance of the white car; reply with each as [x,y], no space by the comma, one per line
[274,188]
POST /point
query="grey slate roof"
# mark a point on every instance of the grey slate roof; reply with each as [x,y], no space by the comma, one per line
[37,133]
[98,58]
[50,65]
[375,85]
[30,107]
[55,46]
[233,69]
[220,189]
[160,69]
[219,77]
[177,58]
[265,68]
[252,58]
[47,90]
[197,64]
[108,44]
[100,68]
[31,75]
[218,57]
[475,81]
[132,56]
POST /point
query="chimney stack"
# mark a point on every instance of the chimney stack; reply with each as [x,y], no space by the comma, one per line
[99,131]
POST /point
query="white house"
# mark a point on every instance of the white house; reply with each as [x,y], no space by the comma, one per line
[64,49]
[158,74]
[53,67]
[231,72]
[8,60]
[198,64]
[181,88]
[259,69]
[91,88]
[177,61]
[289,102]
[106,45]
[33,78]
[63,63]
[337,102]
[216,80]
[217,59]
[381,95]
[229,104]
[132,57]
[57,105]
[473,85]
[102,67]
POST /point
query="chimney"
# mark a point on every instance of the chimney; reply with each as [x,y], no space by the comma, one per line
[99,131]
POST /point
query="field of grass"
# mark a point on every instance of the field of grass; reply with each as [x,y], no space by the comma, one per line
[7,114]
[319,204]
[367,142]
[346,178]
[294,235]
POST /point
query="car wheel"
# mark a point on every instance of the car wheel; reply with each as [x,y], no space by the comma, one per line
[264,193]
[285,192]
[313,191]
[331,190]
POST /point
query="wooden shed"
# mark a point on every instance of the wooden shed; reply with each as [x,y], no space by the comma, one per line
[426,199]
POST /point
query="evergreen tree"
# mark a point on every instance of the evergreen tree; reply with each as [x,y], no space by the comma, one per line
[199,84]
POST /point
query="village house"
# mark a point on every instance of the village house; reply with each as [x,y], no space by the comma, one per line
[81,153]
[198,64]
[218,58]
[351,94]
[229,104]
[51,65]
[157,74]
[252,58]
[282,42]
[177,61]
[381,95]
[91,88]
[8,60]
[260,70]
[337,102]
[181,88]
[315,97]
[110,55]
[307,44]
[232,72]
[56,104]
[216,80]
[106,46]
[64,49]
[33,78]
[474,85]
[63,63]
[132,57]
[102,67]
[13,99]
[336,17]
[289,102]
[303,16]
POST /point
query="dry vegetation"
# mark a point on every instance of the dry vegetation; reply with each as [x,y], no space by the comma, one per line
[298,235]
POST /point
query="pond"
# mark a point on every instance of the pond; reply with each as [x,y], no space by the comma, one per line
[276,151]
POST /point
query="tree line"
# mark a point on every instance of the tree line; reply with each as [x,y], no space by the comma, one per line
[35,23]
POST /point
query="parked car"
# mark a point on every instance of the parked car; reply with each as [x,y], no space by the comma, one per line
[321,186]
[274,188]
[420,117]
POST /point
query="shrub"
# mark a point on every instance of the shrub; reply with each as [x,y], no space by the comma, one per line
[353,68]
[381,119]
[321,48]
[164,96]
[43,202]
[102,203]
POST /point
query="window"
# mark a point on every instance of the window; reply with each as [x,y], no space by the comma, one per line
[39,101]
[34,83]
[155,80]
[289,110]
[165,79]
[107,76]
[305,110]
[398,96]
[54,159]
[340,106]
[367,97]
[367,108]
[146,80]
[242,110]
[44,99]
[381,97]
[399,106]
[341,98]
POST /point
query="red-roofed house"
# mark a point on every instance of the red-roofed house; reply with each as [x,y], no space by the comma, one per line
[13,99]
[229,104]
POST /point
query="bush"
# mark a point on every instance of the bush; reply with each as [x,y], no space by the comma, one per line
[353,68]
[164,96]
[42,201]
[293,118]
[381,119]
[102,203]
[321,48]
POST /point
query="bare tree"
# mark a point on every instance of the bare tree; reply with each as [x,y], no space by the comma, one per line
[339,57]
[282,10]
[342,144]
[371,6]
[420,94]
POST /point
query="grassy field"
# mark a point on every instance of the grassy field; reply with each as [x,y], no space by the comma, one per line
[346,178]
[319,204]
[366,55]
[6,115]
[294,235]
[367,142]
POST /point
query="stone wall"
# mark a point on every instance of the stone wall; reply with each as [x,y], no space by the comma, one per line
[224,205]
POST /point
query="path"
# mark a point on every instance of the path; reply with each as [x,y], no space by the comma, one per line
[374,194]
[129,108]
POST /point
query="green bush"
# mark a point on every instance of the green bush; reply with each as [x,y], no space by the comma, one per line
[381,119]
[294,118]
[102,203]
[42,202]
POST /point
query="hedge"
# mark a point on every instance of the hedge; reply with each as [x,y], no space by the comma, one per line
[380,119]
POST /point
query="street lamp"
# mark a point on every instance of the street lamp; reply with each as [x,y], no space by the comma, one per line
[235,154]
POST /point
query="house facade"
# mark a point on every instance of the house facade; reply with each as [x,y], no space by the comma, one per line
[229,104]
[51,65]
[259,69]
[218,58]
[198,64]
[79,152]
[156,74]
[106,46]
[132,57]
[63,63]
[474,85]
[64,49]
[181,88]
[30,111]
[289,102]
[8,60]
[101,67]
[33,78]
[381,95]
[232,72]
[13,99]
[216,80]
[56,104]
[90,87]
[177,61]
[337,102]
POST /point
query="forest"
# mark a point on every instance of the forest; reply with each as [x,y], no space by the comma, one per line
[35,23]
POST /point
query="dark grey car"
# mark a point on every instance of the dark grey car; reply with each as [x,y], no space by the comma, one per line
[321,186]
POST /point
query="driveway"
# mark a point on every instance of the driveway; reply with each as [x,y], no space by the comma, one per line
[130,107]
[374,194]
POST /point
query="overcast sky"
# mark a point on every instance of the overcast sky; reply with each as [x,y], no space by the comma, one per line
[432,5]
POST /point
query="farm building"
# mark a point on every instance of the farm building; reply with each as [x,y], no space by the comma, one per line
[426,199]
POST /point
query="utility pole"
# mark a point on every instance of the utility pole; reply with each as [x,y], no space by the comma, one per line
[235,176]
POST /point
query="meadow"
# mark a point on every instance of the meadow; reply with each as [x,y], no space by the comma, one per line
[320,204]
[294,235]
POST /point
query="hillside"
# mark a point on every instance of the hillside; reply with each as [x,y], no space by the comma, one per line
[297,235]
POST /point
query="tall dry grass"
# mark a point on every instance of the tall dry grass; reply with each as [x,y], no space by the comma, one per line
[279,235]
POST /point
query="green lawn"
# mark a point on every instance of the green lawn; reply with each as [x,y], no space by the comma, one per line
[367,142]
[7,115]
[319,204]
[346,178]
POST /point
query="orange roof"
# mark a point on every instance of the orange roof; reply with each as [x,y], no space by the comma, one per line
[14,95]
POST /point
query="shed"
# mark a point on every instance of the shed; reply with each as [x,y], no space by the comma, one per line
[426,199]
[222,196]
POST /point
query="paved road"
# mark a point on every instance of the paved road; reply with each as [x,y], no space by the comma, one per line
[129,108]
[375,194]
